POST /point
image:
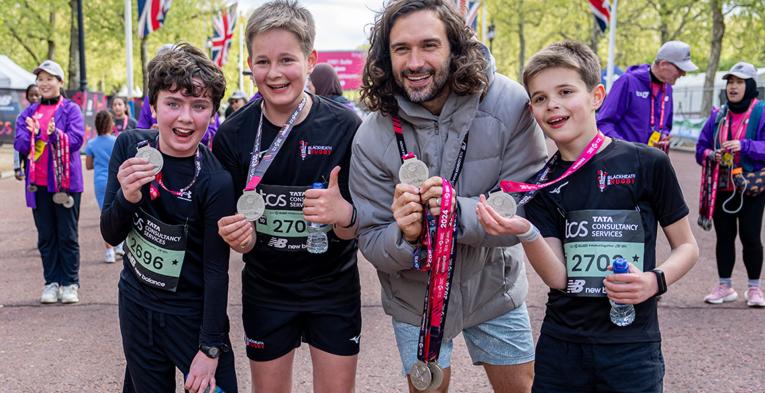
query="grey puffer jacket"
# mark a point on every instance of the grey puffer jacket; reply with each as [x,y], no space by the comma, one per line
[504,143]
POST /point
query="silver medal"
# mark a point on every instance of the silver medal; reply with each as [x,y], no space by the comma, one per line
[502,203]
[152,155]
[32,188]
[437,375]
[69,202]
[251,205]
[420,375]
[413,172]
[60,198]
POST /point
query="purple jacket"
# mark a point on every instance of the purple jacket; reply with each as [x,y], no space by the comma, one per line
[69,120]
[752,150]
[626,112]
[145,121]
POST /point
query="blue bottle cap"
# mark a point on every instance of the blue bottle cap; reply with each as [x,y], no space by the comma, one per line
[620,265]
[318,184]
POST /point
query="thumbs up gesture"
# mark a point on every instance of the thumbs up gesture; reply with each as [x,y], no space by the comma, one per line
[327,206]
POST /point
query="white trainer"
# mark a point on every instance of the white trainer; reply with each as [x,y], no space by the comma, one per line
[119,250]
[109,256]
[69,294]
[50,293]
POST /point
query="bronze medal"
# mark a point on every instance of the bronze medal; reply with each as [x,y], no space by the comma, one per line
[420,375]
[502,203]
[251,205]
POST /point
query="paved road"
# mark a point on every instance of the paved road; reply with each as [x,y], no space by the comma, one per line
[77,348]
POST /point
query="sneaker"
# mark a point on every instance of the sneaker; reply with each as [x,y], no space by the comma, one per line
[119,250]
[69,294]
[721,294]
[109,256]
[50,293]
[754,297]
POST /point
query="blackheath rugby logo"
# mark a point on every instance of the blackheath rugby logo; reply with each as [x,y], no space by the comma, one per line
[605,180]
[308,150]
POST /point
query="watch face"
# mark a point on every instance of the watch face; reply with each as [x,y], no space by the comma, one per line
[213,352]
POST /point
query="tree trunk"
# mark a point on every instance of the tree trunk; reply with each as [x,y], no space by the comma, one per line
[144,66]
[718,31]
[521,41]
[74,50]
[51,43]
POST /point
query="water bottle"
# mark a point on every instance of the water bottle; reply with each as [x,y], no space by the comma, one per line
[621,314]
[317,237]
[207,390]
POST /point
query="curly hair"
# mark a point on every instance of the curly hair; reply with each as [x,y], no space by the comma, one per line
[467,66]
[186,69]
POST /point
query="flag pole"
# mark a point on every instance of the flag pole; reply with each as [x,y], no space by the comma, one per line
[129,52]
[241,54]
[611,45]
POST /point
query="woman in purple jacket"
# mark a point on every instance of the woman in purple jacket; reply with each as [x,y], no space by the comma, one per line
[50,135]
[734,136]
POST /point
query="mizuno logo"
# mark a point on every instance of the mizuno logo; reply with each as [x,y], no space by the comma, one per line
[356,339]
[556,190]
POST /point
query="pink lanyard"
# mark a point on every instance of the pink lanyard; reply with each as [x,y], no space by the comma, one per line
[662,120]
[725,130]
[513,186]
[32,165]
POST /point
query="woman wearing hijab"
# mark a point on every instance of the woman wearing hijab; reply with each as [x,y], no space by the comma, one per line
[50,134]
[327,84]
[734,136]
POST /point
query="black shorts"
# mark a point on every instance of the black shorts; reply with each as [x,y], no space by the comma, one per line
[271,333]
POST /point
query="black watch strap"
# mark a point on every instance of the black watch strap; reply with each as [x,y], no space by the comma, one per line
[210,351]
[661,281]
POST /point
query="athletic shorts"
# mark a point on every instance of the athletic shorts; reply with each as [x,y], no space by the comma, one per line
[271,333]
[503,341]
[567,367]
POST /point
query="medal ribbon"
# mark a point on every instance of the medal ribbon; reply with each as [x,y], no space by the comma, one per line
[586,155]
[258,168]
[32,140]
[662,120]
[710,170]
[438,239]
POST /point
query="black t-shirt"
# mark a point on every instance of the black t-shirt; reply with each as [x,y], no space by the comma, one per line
[275,275]
[203,282]
[624,176]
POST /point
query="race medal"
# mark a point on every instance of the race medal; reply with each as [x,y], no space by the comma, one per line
[437,375]
[69,202]
[593,239]
[502,203]
[727,159]
[251,205]
[654,139]
[32,188]
[413,172]
[60,198]
[420,375]
[152,155]
[155,251]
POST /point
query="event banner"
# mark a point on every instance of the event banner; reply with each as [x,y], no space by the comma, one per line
[348,64]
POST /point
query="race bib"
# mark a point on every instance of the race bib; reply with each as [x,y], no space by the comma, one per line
[282,226]
[594,238]
[155,251]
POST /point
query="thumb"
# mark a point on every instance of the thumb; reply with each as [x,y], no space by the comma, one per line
[333,177]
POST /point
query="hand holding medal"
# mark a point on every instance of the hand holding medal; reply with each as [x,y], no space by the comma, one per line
[135,173]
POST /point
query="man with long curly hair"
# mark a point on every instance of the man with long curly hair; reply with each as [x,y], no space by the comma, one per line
[430,85]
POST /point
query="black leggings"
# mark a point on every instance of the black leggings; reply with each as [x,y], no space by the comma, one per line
[749,220]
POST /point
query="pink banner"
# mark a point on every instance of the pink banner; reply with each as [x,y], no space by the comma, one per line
[348,64]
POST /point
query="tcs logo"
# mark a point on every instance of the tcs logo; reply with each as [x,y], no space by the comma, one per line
[576,229]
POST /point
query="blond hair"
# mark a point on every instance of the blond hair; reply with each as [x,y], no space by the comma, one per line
[286,15]
[566,54]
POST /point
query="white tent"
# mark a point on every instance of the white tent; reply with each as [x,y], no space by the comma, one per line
[12,76]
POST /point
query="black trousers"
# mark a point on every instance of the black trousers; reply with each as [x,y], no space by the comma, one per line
[155,344]
[747,223]
[57,238]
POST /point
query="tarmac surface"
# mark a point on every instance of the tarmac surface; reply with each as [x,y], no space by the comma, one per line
[77,348]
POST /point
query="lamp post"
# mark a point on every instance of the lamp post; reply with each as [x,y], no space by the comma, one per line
[81,44]
[490,34]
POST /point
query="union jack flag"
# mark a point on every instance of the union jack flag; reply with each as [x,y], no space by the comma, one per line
[152,15]
[601,9]
[469,10]
[224,23]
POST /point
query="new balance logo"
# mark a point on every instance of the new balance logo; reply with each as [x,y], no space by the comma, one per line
[575,286]
[356,339]
[556,190]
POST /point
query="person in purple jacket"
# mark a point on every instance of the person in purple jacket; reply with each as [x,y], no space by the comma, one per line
[639,106]
[736,132]
[50,134]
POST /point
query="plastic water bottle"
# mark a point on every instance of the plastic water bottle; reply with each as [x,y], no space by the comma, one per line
[621,314]
[317,237]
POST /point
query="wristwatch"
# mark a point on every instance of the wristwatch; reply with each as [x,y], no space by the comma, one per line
[661,281]
[210,351]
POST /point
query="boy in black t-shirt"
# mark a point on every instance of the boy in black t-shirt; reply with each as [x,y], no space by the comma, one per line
[606,206]
[291,295]
[173,289]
